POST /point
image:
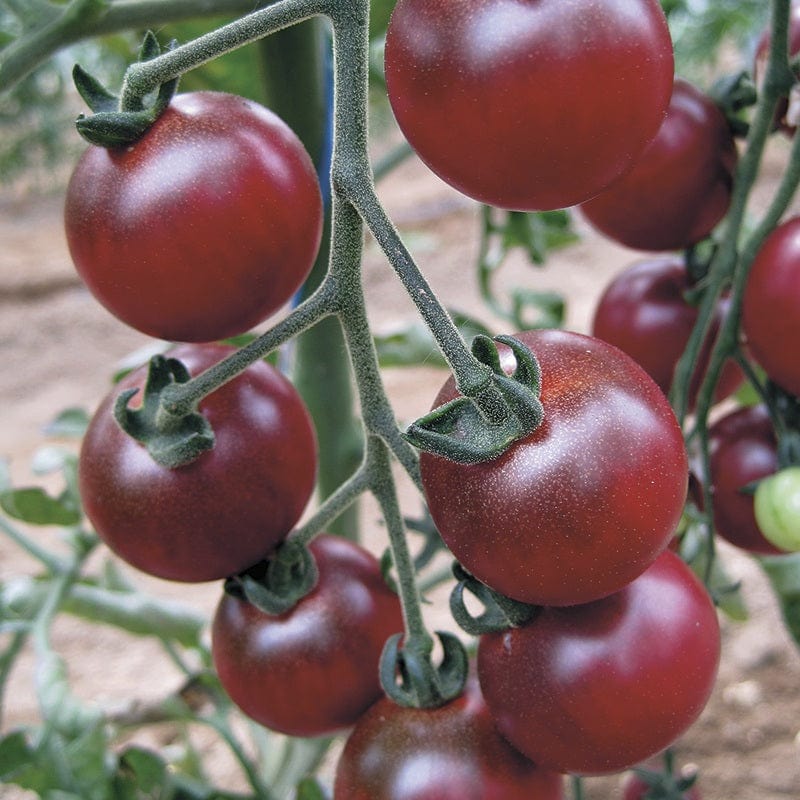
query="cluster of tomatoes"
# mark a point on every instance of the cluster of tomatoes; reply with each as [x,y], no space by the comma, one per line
[210,222]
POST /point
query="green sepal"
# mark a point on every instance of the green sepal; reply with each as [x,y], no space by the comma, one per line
[500,613]
[471,430]
[277,585]
[116,122]
[421,684]
[94,94]
[172,440]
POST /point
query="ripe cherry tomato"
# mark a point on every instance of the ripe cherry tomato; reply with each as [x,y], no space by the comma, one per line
[221,513]
[314,669]
[449,753]
[635,788]
[782,122]
[203,227]
[742,450]
[770,307]
[644,312]
[585,503]
[680,187]
[777,508]
[597,688]
[528,105]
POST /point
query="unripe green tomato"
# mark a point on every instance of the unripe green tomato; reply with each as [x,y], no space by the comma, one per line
[777,508]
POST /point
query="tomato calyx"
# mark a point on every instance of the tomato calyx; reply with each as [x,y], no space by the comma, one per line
[733,94]
[172,440]
[276,585]
[665,785]
[500,612]
[469,430]
[112,123]
[409,677]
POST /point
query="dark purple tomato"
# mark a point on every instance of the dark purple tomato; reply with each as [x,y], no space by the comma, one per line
[221,513]
[743,449]
[585,503]
[644,312]
[771,306]
[597,688]
[202,228]
[680,187]
[528,105]
[312,670]
[449,753]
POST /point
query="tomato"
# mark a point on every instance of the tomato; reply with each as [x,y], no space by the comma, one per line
[449,753]
[635,788]
[585,503]
[777,508]
[528,105]
[203,227]
[644,312]
[680,187]
[221,513]
[771,306]
[596,688]
[743,449]
[312,670]
[782,113]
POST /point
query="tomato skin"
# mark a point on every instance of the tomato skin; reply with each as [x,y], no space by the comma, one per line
[528,105]
[680,187]
[597,688]
[313,670]
[742,449]
[202,228]
[449,753]
[221,513]
[585,503]
[643,311]
[771,306]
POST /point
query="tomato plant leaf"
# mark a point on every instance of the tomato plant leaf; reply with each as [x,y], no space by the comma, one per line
[33,505]
[71,423]
[784,575]
[414,345]
[310,789]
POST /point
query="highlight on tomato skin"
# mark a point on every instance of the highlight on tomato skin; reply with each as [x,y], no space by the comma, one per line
[596,688]
[313,670]
[201,229]
[680,187]
[529,106]
[221,513]
[453,752]
[583,505]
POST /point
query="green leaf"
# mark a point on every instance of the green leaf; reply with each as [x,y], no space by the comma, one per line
[71,423]
[15,752]
[725,591]
[34,506]
[20,765]
[415,346]
[784,576]
[141,774]
[310,789]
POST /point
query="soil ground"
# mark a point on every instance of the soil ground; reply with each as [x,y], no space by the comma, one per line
[58,348]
